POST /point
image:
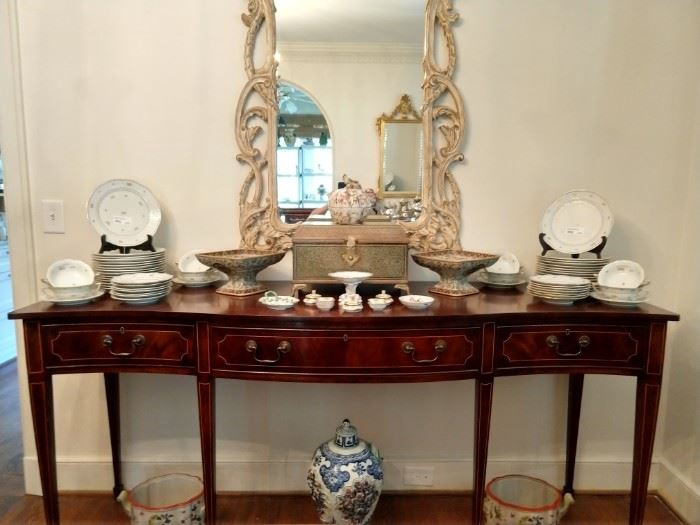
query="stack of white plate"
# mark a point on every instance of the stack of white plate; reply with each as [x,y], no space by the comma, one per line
[559,289]
[110,264]
[141,288]
[554,264]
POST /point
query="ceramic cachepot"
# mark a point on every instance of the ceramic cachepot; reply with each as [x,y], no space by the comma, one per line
[351,204]
[346,478]
[523,500]
[168,499]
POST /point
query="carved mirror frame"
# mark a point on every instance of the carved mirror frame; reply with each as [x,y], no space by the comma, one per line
[442,109]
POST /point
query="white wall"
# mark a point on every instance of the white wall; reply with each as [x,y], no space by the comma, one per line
[681,447]
[560,95]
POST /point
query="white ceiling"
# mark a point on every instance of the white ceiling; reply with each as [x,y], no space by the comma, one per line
[364,21]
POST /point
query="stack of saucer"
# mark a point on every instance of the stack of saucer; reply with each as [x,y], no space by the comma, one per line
[561,264]
[621,283]
[71,282]
[193,274]
[506,272]
[559,289]
[141,288]
[111,264]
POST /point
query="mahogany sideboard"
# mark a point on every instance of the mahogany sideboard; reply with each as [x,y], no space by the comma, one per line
[479,337]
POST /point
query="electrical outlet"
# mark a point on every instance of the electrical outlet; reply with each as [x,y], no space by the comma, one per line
[52,216]
[418,476]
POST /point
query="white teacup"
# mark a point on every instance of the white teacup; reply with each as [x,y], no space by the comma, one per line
[325,303]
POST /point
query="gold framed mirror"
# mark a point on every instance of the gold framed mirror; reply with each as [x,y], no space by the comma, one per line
[401,152]
[441,112]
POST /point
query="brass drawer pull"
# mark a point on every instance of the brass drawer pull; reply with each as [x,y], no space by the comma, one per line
[136,343]
[553,342]
[583,341]
[282,348]
[439,347]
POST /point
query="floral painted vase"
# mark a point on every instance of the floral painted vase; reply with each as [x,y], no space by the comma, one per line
[351,204]
[346,478]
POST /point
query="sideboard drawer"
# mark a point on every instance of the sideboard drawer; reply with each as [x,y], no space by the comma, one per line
[100,344]
[567,345]
[386,351]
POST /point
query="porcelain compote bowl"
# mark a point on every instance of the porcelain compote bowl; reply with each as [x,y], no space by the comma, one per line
[350,279]
[241,266]
[454,267]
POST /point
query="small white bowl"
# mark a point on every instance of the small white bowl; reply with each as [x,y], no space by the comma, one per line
[69,273]
[416,302]
[506,264]
[377,304]
[189,263]
[325,303]
[621,274]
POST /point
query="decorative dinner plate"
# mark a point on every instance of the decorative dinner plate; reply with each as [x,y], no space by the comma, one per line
[576,222]
[616,302]
[74,301]
[124,211]
[140,279]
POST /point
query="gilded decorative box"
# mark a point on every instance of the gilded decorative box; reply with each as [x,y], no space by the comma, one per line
[322,248]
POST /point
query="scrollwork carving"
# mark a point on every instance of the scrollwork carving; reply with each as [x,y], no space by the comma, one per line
[442,112]
[260,227]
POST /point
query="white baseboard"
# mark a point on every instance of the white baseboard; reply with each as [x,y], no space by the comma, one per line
[290,476]
[682,494]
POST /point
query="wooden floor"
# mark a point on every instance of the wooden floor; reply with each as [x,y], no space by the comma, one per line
[393,509]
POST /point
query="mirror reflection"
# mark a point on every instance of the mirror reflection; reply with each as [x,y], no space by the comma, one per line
[304,153]
[401,139]
[356,59]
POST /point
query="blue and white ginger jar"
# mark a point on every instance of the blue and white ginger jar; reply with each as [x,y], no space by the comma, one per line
[346,478]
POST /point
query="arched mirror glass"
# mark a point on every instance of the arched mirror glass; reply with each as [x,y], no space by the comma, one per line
[304,153]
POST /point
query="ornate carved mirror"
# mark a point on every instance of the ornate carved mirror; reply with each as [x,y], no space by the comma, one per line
[441,109]
[401,151]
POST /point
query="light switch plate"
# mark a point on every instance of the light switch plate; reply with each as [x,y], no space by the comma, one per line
[52,216]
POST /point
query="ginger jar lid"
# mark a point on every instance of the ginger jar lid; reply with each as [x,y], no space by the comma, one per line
[346,435]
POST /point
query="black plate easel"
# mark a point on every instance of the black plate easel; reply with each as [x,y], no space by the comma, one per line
[597,250]
[146,246]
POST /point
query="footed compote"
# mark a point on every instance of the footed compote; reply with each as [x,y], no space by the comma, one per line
[241,266]
[350,279]
[454,267]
